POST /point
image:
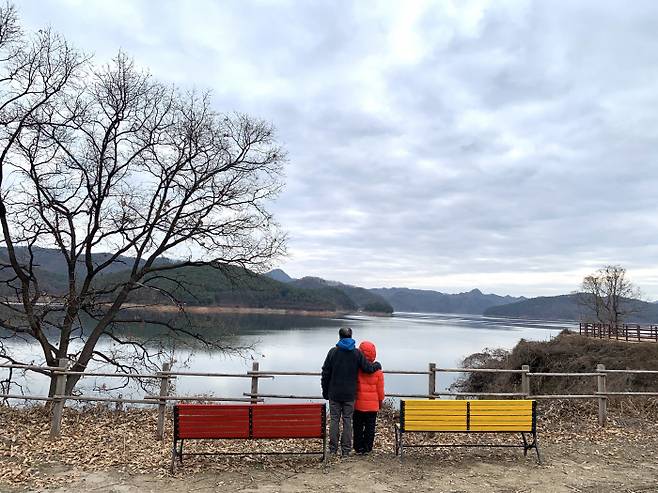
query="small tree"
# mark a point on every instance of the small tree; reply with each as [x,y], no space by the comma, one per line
[609,295]
[108,159]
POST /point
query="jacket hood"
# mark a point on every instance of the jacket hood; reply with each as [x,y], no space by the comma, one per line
[369,350]
[346,344]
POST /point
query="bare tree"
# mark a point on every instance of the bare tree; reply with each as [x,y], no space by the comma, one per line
[609,295]
[109,159]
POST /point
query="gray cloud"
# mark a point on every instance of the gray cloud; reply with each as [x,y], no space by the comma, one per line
[505,145]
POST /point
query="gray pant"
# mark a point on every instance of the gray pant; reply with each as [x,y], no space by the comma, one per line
[336,410]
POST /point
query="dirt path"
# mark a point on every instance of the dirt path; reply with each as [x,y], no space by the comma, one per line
[576,466]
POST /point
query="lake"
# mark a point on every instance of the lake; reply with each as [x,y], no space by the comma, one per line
[405,341]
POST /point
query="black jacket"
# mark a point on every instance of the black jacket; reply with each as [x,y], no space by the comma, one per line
[339,373]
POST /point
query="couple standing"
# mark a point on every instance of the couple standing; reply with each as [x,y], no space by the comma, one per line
[353,383]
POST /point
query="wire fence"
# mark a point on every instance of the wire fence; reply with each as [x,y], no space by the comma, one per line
[166,376]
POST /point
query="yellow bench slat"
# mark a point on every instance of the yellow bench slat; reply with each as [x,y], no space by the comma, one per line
[501,419]
[448,419]
[434,404]
[500,428]
[501,405]
[501,424]
[409,414]
[486,412]
[436,427]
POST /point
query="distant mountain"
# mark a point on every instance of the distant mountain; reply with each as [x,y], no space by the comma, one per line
[52,260]
[421,300]
[566,307]
[563,307]
[279,275]
[363,299]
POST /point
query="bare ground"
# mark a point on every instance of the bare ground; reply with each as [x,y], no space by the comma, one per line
[115,452]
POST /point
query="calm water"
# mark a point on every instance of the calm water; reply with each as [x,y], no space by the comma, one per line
[405,341]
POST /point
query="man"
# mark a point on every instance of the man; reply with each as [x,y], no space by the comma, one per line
[339,376]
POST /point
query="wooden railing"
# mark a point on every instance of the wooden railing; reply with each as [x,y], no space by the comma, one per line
[625,332]
[432,374]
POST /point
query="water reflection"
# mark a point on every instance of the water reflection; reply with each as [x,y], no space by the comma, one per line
[405,341]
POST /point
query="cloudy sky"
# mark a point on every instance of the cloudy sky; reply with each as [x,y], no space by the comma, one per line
[505,145]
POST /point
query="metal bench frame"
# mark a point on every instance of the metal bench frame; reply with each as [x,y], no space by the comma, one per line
[526,445]
[177,449]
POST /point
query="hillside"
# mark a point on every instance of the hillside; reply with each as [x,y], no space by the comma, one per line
[236,287]
[420,300]
[566,307]
[363,299]
[565,353]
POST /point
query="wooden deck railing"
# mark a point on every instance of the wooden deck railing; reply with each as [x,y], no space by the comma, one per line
[256,374]
[625,332]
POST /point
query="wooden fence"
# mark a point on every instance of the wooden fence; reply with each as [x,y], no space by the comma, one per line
[166,376]
[625,332]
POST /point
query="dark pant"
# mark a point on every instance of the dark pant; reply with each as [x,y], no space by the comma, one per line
[364,430]
[338,410]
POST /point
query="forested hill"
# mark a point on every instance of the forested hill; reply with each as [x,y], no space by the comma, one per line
[235,287]
[420,300]
[363,298]
[206,286]
[566,307]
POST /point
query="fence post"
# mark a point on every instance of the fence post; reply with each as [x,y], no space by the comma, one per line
[162,405]
[431,381]
[58,408]
[254,383]
[525,380]
[603,399]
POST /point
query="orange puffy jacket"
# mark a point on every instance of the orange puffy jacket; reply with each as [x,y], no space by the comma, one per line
[370,386]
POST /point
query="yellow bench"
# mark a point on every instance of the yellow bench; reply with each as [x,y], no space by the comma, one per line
[468,416]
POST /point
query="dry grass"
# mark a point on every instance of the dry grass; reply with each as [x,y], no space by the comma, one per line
[97,439]
[565,353]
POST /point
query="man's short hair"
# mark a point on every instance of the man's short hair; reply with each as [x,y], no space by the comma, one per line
[344,332]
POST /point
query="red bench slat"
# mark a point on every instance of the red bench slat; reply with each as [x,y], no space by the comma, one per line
[214,435]
[287,433]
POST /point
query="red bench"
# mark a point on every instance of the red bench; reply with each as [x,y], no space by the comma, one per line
[247,421]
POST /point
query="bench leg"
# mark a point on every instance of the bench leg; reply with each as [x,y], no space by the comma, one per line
[180,452]
[536,443]
[398,436]
[397,447]
[525,445]
[172,466]
[400,443]
[324,446]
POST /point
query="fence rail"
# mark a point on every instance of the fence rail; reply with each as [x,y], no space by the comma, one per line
[166,376]
[624,332]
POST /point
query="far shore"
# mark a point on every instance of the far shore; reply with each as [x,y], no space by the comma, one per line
[213,309]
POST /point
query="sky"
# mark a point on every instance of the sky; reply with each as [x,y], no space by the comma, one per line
[510,146]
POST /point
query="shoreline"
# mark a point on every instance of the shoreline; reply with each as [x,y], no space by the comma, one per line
[212,309]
